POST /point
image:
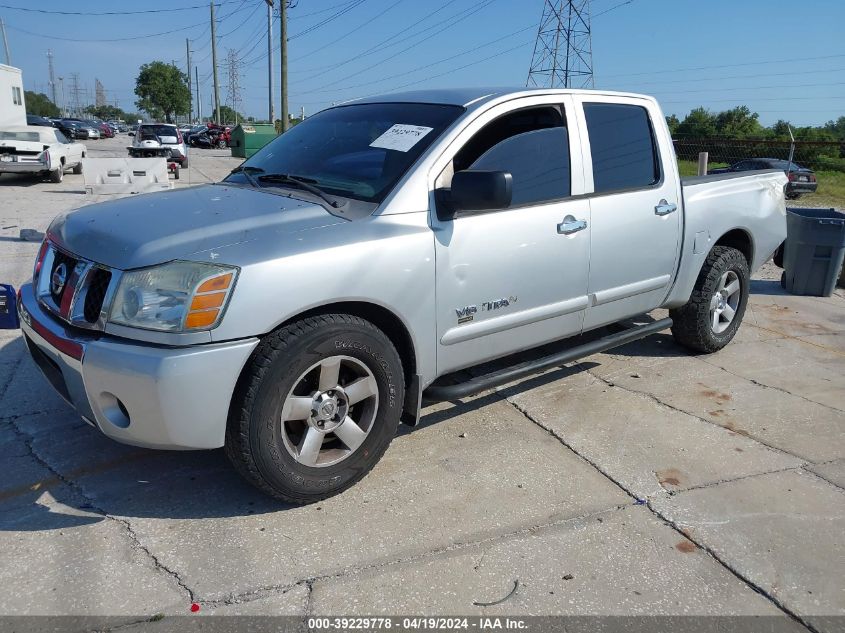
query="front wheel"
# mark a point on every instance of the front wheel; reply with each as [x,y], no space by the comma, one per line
[711,317]
[221,144]
[316,407]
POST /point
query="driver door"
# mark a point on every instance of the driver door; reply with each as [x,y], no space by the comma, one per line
[515,278]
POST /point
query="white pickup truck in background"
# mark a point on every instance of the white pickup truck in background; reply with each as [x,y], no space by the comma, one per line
[294,312]
[39,151]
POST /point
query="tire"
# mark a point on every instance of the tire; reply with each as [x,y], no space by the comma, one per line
[777,258]
[793,196]
[221,144]
[77,169]
[695,325]
[57,175]
[283,375]
[184,164]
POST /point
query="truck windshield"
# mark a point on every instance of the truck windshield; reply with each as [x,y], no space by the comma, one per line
[355,151]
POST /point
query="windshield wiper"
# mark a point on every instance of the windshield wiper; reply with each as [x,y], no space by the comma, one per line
[302,182]
[247,170]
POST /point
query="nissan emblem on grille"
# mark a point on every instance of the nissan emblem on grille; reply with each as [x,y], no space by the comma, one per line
[59,279]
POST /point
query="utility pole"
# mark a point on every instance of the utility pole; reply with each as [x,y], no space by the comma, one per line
[270,94]
[214,66]
[283,33]
[62,87]
[5,42]
[99,93]
[74,93]
[563,52]
[52,77]
[190,90]
[199,101]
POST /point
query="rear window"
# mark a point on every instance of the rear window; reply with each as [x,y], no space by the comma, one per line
[622,147]
[167,133]
[20,136]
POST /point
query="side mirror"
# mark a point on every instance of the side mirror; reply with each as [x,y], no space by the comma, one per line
[478,190]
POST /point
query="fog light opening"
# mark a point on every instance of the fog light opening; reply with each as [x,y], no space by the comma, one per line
[114,410]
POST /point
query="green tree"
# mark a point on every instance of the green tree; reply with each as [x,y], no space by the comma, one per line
[106,112]
[228,115]
[673,122]
[162,90]
[738,123]
[699,123]
[38,103]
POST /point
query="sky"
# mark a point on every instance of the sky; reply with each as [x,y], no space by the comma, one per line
[784,60]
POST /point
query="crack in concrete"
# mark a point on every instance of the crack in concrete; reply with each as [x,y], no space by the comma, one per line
[672,407]
[90,503]
[822,477]
[672,524]
[753,381]
[713,484]
[269,590]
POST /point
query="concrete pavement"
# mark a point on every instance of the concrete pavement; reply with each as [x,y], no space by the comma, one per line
[642,481]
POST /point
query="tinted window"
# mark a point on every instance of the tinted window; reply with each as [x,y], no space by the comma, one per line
[622,146]
[357,151]
[537,160]
[531,144]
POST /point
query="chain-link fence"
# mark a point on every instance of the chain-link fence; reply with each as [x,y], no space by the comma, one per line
[817,155]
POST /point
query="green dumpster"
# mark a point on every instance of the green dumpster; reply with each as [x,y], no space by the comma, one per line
[248,139]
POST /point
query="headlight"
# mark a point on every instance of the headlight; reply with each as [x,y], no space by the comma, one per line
[173,297]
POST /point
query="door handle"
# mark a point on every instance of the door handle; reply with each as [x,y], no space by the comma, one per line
[570,225]
[665,208]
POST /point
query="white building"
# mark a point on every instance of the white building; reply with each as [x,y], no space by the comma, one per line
[12,106]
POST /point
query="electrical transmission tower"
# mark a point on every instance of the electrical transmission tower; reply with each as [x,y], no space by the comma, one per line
[75,91]
[233,90]
[563,52]
[99,93]
[52,74]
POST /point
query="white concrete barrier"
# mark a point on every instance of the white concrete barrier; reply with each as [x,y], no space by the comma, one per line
[125,175]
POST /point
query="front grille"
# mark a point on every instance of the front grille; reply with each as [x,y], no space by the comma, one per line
[85,293]
[98,284]
[70,263]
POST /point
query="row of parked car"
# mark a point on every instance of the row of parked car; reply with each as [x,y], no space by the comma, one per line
[207,136]
[80,129]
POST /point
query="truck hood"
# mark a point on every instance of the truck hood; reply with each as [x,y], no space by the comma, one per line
[154,228]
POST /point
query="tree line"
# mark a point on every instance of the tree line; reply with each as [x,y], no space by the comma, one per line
[742,123]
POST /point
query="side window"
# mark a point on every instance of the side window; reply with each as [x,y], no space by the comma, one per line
[16,96]
[622,146]
[532,145]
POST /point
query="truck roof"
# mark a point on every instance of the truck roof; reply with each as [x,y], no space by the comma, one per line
[475,96]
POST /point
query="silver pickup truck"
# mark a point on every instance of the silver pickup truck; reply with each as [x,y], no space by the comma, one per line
[334,282]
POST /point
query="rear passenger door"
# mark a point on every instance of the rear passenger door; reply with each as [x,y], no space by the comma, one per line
[635,206]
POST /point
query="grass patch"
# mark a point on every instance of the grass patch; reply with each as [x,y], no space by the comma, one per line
[831,191]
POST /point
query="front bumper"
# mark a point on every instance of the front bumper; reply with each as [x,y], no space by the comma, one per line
[136,393]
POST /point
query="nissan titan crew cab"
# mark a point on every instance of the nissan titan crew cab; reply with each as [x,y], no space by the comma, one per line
[296,311]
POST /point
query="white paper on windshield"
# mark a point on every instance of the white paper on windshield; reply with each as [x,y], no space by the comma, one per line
[401,137]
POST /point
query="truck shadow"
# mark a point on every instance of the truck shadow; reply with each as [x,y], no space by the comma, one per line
[68,474]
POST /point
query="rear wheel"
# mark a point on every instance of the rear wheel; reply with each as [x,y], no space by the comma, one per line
[57,175]
[221,144]
[714,312]
[316,407]
[77,169]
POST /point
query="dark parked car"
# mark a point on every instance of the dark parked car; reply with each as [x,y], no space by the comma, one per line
[801,179]
[73,129]
[34,119]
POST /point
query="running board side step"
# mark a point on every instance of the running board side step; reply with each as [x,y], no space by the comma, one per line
[440,393]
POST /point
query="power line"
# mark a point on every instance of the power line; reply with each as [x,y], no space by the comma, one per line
[681,70]
[325,21]
[334,41]
[452,20]
[114,39]
[98,13]
[321,11]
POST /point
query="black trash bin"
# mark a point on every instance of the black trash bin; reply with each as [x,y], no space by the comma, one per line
[815,248]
